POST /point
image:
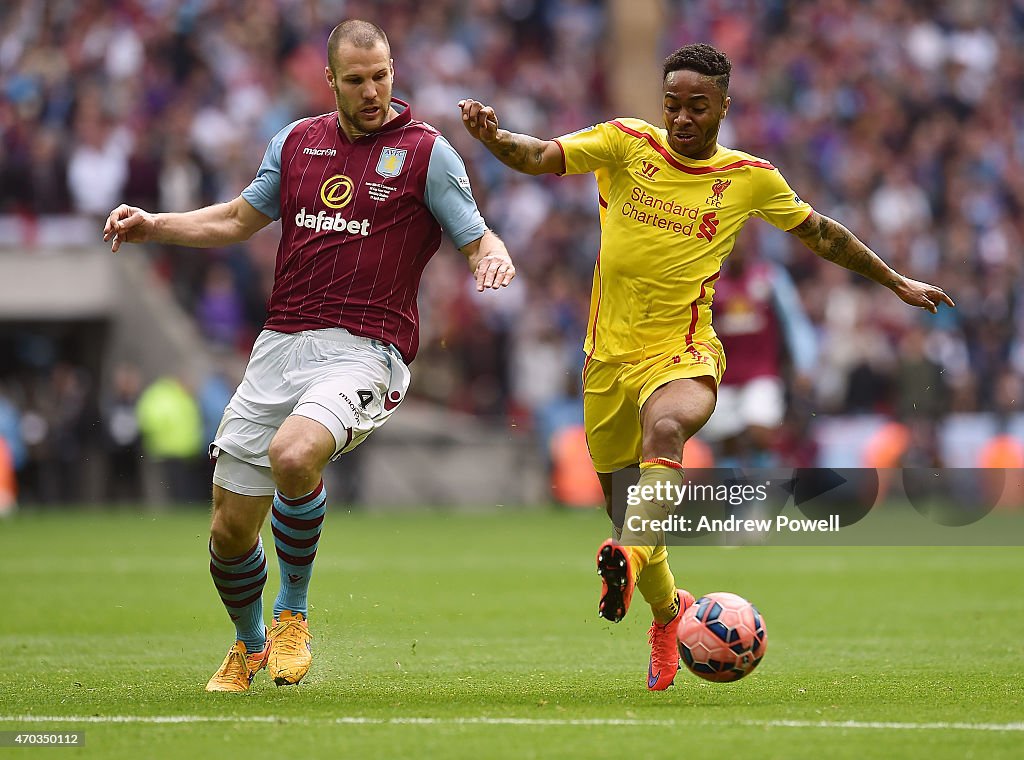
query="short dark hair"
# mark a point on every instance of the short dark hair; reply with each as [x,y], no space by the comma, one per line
[362,34]
[704,59]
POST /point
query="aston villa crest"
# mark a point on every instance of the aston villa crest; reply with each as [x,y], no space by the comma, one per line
[390,162]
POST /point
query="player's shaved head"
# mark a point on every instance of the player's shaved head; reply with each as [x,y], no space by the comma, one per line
[704,59]
[358,33]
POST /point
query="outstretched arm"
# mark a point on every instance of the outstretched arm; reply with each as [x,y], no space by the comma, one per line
[209,227]
[489,261]
[833,242]
[523,153]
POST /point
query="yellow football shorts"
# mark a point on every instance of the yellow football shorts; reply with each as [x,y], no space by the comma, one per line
[614,393]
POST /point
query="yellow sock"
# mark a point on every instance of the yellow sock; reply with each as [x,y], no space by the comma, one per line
[657,476]
[658,586]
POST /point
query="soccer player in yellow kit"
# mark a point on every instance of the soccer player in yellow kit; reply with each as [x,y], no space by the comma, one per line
[672,202]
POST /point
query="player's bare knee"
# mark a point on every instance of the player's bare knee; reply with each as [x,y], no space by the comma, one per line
[667,434]
[232,534]
[294,466]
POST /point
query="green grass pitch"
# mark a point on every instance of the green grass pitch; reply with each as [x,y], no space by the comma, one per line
[451,635]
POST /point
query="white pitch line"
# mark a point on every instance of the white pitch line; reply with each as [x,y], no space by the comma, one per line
[489,721]
[892,726]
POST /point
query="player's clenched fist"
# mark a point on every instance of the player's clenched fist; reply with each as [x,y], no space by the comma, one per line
[479,120]
[127,224]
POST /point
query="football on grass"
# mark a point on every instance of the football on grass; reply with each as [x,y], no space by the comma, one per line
[722,637]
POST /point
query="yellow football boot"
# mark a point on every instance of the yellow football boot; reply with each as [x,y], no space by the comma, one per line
[290,653]
[239,667]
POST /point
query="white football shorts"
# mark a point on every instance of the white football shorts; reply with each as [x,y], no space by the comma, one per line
[347,383]
[759,402]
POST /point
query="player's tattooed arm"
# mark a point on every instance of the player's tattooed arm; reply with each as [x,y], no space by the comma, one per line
[520,152]
[833,242]
[523,153]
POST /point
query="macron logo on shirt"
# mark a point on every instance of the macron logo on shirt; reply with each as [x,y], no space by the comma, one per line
[320,151]
[334,222]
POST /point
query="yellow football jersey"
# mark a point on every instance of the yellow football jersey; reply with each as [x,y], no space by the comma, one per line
[667,223]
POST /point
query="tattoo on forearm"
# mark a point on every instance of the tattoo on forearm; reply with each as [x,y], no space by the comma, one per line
[833,242]
[519,151]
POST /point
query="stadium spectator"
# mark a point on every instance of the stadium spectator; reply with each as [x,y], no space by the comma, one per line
[70,412]
[221,310]
[10,429]
[215,391]
[8,481]
[920,386]
[123,436]
[171,429]
[12,454]
[363,193]
[673,202]
[98,165]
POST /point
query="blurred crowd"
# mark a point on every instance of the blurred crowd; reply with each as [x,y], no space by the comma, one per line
[134,440]
[904,119]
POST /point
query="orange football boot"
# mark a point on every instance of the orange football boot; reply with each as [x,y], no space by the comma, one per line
[664,665]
